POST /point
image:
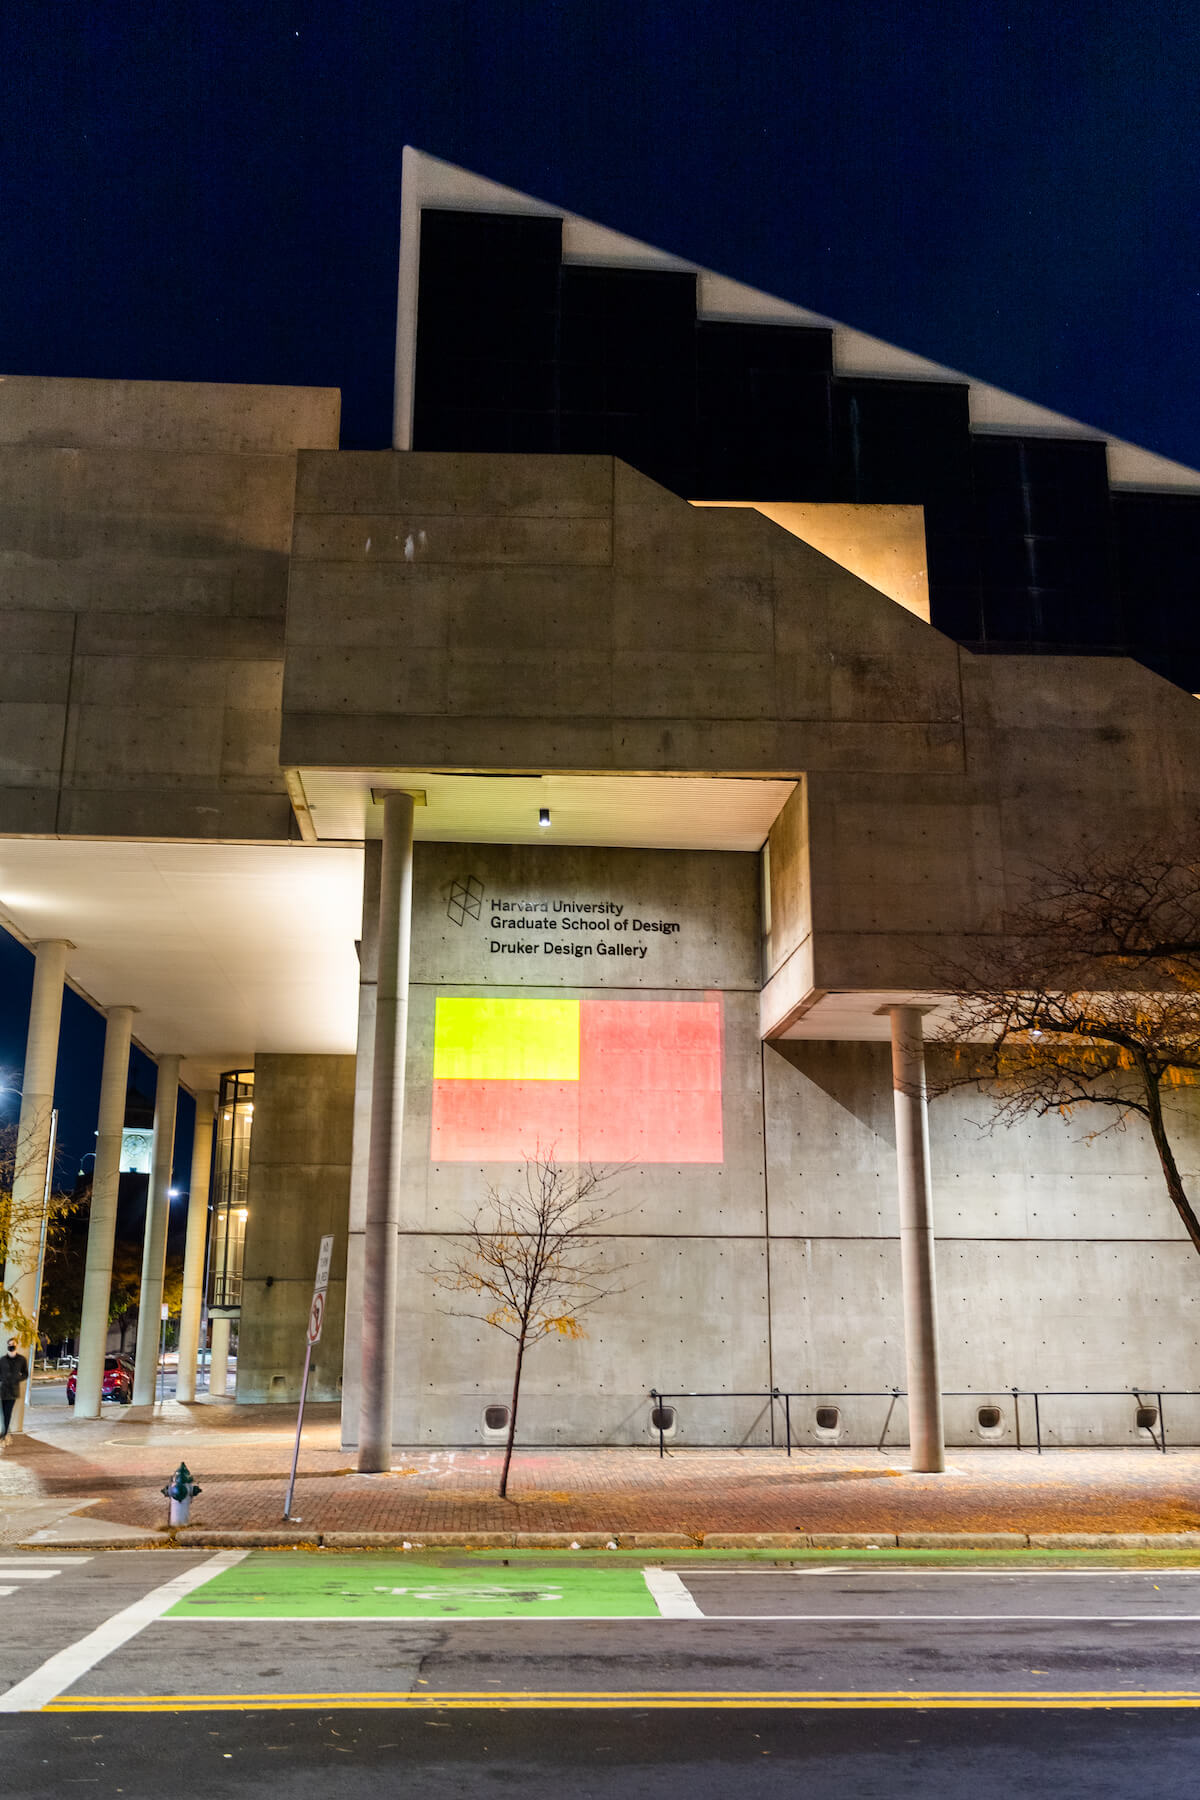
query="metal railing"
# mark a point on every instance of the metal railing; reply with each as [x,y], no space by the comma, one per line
[987,1397]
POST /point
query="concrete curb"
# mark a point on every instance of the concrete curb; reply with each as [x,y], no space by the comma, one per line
[299,1539]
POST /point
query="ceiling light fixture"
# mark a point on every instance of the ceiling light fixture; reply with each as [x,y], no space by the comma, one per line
[544,818]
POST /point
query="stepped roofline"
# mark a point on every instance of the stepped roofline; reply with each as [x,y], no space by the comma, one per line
[427,181]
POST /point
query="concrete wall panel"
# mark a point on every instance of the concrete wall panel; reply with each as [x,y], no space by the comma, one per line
[166,416]
[681,1322]
[147,525]
[299,1189]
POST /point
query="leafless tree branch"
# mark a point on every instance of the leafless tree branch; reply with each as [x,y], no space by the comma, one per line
[532,1260]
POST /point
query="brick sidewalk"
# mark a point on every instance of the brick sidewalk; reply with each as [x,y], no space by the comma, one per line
[241,1461]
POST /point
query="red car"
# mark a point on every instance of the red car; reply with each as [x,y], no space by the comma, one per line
[116,1385]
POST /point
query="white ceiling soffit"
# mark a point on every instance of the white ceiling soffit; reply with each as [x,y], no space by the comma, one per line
[638,812]
[225,949]
[427,181]
[858,1015]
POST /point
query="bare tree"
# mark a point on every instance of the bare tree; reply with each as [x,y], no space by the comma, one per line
[533,1260]
[1092,998]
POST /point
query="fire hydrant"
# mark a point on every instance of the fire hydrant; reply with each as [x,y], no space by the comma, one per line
[179,1491]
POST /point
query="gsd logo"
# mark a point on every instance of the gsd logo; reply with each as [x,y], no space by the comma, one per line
[465,900]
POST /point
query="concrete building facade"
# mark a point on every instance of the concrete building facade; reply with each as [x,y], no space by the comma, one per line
[698,809]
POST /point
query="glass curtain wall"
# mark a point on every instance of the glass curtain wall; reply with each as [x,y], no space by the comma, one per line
[235,1121]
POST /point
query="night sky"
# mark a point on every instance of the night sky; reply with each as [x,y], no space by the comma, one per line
[211,193]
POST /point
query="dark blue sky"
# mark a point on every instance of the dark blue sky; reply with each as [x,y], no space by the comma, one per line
[211,192]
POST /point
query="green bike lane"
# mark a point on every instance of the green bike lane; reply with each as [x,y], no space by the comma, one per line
[348,1588]
[290,1631]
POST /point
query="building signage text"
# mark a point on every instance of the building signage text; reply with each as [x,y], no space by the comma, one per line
[571,928]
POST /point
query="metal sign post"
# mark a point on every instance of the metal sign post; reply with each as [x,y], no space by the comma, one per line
[316,1318]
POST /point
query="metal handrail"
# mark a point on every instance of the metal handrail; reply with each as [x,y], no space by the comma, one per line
[891,1395]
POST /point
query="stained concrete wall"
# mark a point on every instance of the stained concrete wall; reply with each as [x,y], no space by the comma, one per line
[689,1239]
[532,613]
[299,1190]
[567,613]
[1061,1262]
[144,537]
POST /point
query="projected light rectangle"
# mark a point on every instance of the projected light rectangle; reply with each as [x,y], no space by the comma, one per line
[590,1080]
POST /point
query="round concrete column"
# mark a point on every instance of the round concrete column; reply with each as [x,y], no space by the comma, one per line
[193,1256]
[925,1432]
[380,1244]
[31,1163]
[368,972]
[218,1360]
[154,1244]
[102,1220]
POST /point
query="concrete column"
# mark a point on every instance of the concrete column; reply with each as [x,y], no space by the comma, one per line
[368,974]
[102,1220]
[33,1139]
[925,1433]
[154,1244]
[218,1359]
[380,1243]
[193,1256]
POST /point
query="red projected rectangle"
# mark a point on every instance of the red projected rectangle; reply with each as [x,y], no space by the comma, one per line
[650,1081]
[505,1121]
[660,1044]
[649,1091]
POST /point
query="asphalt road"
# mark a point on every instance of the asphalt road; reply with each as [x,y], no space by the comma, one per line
[301,1675]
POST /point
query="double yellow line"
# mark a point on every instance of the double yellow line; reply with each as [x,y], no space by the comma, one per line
[641,1700]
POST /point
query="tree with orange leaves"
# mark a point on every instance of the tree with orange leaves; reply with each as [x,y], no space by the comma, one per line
[1091,997]
[532,1260]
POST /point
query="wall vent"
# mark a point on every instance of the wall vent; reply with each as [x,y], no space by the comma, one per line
[495,1420]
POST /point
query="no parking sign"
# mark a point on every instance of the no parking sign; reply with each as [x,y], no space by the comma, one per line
[316,1316]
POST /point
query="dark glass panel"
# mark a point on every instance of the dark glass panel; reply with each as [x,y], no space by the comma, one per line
[487,332]
[764,422]
[628,369]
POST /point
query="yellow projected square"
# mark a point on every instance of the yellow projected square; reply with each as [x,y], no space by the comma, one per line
[506,1040]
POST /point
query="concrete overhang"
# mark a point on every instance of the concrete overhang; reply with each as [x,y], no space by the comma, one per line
[851,1015]
[225,949]
[637,812]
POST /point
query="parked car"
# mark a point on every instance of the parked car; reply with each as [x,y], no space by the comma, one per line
[116,1385]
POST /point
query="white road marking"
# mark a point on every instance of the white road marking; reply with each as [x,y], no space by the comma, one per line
[670,1596]
[7,1590]
[22,1561]
[62,1670]
[30,1574]
[942,1572]
[853,1618]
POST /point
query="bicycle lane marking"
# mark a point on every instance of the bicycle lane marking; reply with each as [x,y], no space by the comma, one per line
[382,1588]
[65,1667]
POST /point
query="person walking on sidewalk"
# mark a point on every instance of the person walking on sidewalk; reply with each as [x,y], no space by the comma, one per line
[13,1371]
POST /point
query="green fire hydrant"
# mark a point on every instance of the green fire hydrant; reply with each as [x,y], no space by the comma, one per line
[179,1491]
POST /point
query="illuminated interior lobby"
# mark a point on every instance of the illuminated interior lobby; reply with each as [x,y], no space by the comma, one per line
[603,768]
